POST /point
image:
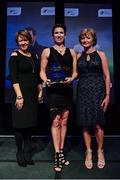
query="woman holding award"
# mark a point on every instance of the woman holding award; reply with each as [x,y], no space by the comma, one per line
[58,70]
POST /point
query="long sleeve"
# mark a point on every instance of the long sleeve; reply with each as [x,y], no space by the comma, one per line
[13,69]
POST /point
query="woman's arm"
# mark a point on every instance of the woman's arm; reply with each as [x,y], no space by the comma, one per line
[74,73]
[106,72]
[107,79]
[40,93]
[44,62]
[13,68]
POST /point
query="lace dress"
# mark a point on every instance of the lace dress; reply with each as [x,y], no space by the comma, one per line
[90,90]
[59,95]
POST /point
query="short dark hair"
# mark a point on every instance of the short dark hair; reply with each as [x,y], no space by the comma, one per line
[57,26]
[87,31]
[25,34]
[31,29]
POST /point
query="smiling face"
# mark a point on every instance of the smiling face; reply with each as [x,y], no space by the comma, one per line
[23,43]
[59,35]
[87,40]
[23,39]
[87,37]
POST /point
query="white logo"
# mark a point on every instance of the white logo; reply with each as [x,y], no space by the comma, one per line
[48,11]
[105,13]
[71,11]
[14,11]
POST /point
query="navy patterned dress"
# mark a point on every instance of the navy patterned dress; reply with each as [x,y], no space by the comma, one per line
[90,90]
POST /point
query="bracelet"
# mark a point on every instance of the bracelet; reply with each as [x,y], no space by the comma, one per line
[19,97]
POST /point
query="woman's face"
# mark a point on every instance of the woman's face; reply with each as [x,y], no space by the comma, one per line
[23,43]
[59,35]
[87,40]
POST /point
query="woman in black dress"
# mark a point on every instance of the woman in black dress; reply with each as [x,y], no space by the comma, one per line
[93,93]
[58,70]
[24,75]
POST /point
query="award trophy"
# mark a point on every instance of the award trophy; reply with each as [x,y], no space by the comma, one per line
[57,76]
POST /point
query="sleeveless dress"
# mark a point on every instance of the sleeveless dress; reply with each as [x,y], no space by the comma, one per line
[25,71]
[59,95]
[90,90]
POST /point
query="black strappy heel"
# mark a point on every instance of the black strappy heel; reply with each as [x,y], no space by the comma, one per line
[63,160]
[58,163]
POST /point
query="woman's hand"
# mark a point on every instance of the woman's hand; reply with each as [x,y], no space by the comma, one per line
[40,97]
[68,80]
[48,82]
[105,103]
[40,94]
[19,103]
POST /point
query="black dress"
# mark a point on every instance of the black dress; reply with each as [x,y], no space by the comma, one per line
[25,71]
[90,90]
[59,95]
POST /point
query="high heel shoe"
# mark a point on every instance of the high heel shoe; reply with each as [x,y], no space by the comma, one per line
[88,162]
[20,159]
[63,160]
[28,158]
[58,164]
[101,159]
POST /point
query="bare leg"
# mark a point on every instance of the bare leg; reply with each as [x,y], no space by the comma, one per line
[87,139]
[64,120]
[88,158]
[63,129]
[55,130]
[100,139]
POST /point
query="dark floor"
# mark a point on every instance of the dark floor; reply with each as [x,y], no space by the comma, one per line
[43,156]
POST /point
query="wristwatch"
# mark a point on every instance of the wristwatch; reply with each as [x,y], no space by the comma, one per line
[19,97]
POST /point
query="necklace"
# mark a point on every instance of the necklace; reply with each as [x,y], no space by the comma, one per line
[33,65]
[30,60]
[25,54]
[60,49]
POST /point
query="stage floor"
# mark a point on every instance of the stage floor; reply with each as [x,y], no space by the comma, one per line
[43,156]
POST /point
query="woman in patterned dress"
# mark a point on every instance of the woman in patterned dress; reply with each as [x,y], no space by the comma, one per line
[93,94]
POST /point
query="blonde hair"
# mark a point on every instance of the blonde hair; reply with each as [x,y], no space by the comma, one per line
[88,31]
